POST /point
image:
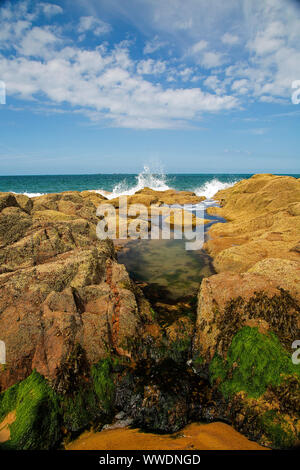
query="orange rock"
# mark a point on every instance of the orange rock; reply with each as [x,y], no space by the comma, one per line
[263,215]
[217,322]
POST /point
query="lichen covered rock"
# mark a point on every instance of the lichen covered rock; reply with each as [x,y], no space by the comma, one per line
[60,286]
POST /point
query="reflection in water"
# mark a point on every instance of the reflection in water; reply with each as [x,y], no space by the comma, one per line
[168,269]
[168,274]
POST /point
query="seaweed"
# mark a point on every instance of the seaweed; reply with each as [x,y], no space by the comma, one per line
[254,361]
[44,414]
[103,383]
[276,429]
[37,423]
[279,311]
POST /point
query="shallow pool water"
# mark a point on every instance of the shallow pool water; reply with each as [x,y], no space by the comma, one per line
[168,273]
[167,269]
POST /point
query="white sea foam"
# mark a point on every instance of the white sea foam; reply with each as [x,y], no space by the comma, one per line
[158,182]
[145,179]
[31,194]
[210,188]
[155,180]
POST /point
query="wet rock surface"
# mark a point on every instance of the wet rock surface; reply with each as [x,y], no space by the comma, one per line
[148,196]
[85,347]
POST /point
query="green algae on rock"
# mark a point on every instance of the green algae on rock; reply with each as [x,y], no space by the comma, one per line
[44,416]
[103,383]
[254,361]
[258,374]
[245,328]
[37,414]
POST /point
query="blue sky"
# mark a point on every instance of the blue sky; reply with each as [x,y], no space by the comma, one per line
[101,86]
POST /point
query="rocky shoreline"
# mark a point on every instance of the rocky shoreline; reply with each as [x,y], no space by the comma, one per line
[83,342]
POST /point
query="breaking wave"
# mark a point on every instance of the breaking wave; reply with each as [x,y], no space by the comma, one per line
[144,179]
[210,188]
[127,185]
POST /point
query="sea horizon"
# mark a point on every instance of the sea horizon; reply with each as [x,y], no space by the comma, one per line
[289,173]
[119,184]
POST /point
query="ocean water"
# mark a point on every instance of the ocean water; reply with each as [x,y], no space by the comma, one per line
[120,184]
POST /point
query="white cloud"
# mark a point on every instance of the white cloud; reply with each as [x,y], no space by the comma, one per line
[271,58]
[104,83]
[109,90]
[93,25]
[204,57]
[51,9]
[150,66]
[272,99]
[230,39]
[184,24]
[153,45]
[11,31]
[240,86]
[186,74]
[268,40]
[199,46]
[211,59]
[215,84]
[107,83]
[266,36]
[38,42]
[190,20]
